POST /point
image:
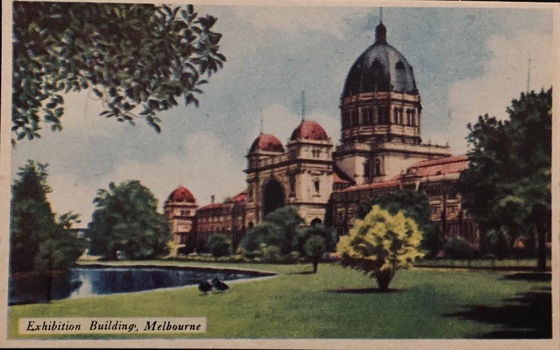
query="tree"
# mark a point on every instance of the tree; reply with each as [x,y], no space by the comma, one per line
[458,248]
[381,244]
[219,245]
[39,242]
[283,226]
[315,241]
[414,204]
[279,228]
[506,187]
[126,220]
[136,58]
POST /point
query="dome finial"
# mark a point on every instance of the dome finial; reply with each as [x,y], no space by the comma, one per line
[380,30]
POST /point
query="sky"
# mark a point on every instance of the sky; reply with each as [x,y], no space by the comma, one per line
[467,62]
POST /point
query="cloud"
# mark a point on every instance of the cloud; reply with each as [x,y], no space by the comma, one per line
[293,19]
[71,193]
[505,77]
[81,116]
[206,168]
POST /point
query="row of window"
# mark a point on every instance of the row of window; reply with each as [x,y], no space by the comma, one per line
[366,116]
[315,153]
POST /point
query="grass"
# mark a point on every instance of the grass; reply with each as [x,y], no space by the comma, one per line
[336,302]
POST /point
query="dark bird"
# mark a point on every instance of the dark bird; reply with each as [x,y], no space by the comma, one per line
[204,287]
[219,285]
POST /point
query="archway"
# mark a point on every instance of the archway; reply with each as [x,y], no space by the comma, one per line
[273,196]
[316,221]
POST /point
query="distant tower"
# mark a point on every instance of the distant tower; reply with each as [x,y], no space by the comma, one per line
[381,116]
[180,209]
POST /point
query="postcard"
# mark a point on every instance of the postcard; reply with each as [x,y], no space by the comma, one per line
[276,175]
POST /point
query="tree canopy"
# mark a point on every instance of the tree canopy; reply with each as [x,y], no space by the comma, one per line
[507,184]
[278,229]
[219,245]
[38,241]
[314,241]
[381,244]
[136,58]
[126,220]
[415,205]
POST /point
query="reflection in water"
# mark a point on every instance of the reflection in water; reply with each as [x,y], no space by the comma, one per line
[90,281]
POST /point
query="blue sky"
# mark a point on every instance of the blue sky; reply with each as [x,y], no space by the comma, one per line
[467,62]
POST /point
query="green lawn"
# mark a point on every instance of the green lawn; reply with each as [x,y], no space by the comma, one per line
[334,303]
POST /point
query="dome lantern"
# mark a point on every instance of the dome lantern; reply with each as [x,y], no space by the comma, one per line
[381,34]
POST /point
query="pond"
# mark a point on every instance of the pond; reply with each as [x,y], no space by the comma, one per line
[100,280]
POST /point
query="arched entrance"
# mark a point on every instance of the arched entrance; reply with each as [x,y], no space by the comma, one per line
[316,221]
[273,196]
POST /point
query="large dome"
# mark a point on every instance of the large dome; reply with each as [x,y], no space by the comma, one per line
[380,68]
[181,194]
[267,143]
[309,130]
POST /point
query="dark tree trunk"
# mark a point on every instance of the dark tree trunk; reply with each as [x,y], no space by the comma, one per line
[315,264]
[384,278]
[47,279]
[541,254]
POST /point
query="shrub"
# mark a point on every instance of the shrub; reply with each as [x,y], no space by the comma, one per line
[271,253]
[458,248]
[381,244]
[219,245]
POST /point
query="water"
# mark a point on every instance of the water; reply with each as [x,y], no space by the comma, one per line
[83,282]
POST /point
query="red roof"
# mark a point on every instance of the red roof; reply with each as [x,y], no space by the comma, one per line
[211,206]
[181,194]
[338,180]
[240,197]
[371,186]
[267,143]
[309,130]
[449,165]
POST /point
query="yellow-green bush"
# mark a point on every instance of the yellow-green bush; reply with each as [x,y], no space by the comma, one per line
[381,244]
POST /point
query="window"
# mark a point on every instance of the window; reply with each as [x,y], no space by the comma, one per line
[292,185]
[366,168]
[408,117]
[399,65]
[355,120]
[383,115]
[377,167]
[293,153]
[367,115]
[316,185]
[376,64]
[315,153]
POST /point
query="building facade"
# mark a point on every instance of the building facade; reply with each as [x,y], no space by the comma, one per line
[380,150]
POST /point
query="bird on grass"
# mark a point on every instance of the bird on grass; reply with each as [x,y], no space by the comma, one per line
[205,287]
[219,285]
